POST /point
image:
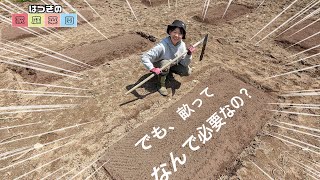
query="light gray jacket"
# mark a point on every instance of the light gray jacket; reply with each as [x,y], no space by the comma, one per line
[165,50]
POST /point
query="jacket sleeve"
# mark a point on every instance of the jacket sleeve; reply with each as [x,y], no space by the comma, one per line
[186,59]
[151,56]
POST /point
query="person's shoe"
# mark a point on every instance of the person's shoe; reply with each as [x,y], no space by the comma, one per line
[163,90]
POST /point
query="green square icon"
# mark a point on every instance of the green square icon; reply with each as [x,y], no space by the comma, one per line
[36,20]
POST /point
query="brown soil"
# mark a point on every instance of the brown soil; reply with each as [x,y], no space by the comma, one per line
[154,3]
[93,54]
[229,142]
[287,40]
[115,116]
[10,33]
[215,13]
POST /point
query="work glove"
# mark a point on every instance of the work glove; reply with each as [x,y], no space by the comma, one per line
[191,49]
[156,70]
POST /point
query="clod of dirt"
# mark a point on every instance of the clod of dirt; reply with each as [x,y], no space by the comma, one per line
[222,41]
[38,146]
[215,13]
[48,138]
[86,14]
[147,36]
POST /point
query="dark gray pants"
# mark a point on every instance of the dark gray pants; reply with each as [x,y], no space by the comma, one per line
[175,68]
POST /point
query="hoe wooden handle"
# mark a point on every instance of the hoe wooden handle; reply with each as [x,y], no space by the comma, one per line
[164,67]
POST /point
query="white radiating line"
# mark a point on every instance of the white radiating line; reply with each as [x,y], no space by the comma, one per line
[261,3]
[305,50]
[54,3]
[97,170]
[311,170]
[302,132]
[8,7]
[296,15]
[311,67]
[288,112]
[299,126]
[40,69]
[28,30]
[60,54]
[307,167]
[7,118]
[311,145]
[309,90]
[261,170]
[32,157]
[31,111]
[66,174]
[43,92]
[22,125]
[304,10]
[65,11]
[50,85]
[305,27]
[304,39]
[44,2]
[14,152]
[31,62]
[56,95]
[300,107]
[44,29]
[302,94]
[8,108]
[303,107]
[20,9]
[36,33]
[66,3]
[133,11]
[40,167]
[11,12]
[30,148]
[52,173]
[284,140]
[21,54]
[205,11]
[169,3]
[303,58]
[13,47]
[289,104]
[57,130]
[93,9]
[83,169]
[305,18]
[312,176]
[45,54]
[307,8]
[229,3]
[275,18]
[204,7]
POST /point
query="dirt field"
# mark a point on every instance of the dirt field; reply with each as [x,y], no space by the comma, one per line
[73,139]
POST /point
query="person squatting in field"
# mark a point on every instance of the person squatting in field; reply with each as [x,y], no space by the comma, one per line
[167,49]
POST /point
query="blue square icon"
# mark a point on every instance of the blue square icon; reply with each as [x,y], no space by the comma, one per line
[68,20]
